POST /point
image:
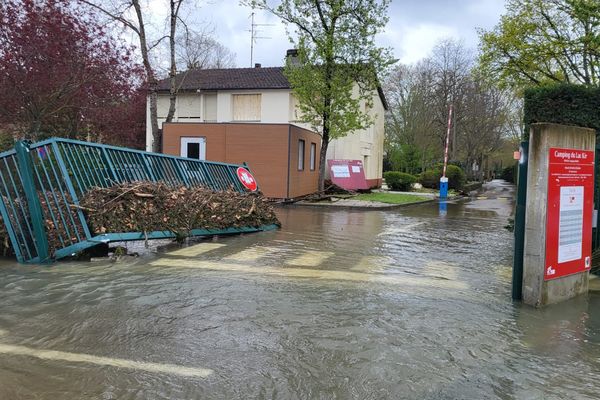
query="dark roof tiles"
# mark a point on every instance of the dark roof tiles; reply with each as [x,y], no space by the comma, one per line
[229,79]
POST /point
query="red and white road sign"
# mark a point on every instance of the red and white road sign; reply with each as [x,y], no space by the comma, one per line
[247,179]
[570,212]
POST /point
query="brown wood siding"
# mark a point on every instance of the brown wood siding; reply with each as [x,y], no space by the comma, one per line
[306,181]
[265,147]
[215,135]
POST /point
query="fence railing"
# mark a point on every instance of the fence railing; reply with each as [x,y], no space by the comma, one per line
[41,184]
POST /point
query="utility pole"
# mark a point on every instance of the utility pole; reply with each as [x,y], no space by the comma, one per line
[253,36]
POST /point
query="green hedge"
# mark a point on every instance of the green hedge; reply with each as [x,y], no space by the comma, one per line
[399,180]
[431,178]
[509,173]
[565,104]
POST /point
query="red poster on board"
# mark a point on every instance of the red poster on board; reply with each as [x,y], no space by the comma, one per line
[348,174]
[570,212]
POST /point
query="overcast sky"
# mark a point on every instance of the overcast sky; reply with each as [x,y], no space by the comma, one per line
[415,26]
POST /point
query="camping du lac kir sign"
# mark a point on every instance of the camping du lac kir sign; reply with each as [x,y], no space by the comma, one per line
[569,213]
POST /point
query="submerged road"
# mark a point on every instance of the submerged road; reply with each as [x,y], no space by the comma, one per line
[339,304]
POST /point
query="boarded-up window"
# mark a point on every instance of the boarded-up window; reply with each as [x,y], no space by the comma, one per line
[300,155]
[210,107]
[313,156]
[246,107]
[188,106]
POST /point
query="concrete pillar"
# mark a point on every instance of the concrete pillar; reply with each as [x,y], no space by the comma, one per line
[537,291]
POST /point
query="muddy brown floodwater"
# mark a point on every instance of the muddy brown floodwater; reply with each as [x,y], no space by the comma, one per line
[339,304]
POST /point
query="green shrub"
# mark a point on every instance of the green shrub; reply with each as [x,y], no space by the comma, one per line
[508,173]
[565,104]
[399,180]
[431,178]
[456,177]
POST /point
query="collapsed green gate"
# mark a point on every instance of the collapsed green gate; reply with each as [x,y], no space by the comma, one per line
[42,183]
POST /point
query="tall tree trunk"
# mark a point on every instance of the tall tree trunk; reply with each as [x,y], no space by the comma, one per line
[153,98]
[323,158]
[152,82]
[173,69]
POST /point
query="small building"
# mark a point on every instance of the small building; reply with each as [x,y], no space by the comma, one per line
[284,158]
[258,100]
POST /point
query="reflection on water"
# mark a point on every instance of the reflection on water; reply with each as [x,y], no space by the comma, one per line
[338,304]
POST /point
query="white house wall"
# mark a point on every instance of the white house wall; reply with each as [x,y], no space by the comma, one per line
[365,145]
[277,107]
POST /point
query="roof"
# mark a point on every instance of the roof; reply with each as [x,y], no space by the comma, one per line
[235,79]
[229,79]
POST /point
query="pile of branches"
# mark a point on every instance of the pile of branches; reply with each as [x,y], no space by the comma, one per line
[155,206]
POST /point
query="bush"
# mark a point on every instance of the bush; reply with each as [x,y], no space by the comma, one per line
[565,104]
[508,173]
[431,178]
[399,180]
[456,177]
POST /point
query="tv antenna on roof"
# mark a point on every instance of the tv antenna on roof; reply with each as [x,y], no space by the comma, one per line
[254,36]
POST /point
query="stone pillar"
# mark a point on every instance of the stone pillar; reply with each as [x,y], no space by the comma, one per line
[537,291]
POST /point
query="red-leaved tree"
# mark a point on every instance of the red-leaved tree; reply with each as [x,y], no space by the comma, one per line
[62,74]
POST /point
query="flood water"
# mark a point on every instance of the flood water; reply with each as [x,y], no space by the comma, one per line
[339,304]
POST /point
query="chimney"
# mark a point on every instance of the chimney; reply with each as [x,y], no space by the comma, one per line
[292,56]
[257,65]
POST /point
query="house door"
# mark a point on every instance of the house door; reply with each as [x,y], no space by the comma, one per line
[193,147]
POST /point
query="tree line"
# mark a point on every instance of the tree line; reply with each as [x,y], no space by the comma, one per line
[66,71]
[420,96]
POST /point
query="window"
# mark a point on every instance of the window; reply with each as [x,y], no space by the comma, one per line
[193,147]
[313,156]
[210,107]
[162,106]
[246,107]
[188,106]
[301,155]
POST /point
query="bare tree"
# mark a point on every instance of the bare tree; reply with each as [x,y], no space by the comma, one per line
[409,124]
[482,126]
[130,14]
[450,64]
[419,96]
[200,50]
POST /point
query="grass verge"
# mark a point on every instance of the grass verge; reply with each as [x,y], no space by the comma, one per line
[391,198]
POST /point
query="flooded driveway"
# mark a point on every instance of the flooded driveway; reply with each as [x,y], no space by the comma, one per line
[339,304]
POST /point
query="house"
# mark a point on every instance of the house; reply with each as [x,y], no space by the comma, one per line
[219,111]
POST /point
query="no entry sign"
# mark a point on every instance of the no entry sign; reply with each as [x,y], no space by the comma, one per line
[569,213]
[247,179]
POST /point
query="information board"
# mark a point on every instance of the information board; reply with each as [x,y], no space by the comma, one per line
[348,174]
[570,212]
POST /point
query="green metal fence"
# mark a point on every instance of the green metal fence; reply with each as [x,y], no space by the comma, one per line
[41,183]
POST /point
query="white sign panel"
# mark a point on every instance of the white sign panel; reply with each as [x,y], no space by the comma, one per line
[570,224]
[340,171]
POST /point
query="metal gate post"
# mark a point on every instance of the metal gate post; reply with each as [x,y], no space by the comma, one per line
[33,201]
[519,226]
